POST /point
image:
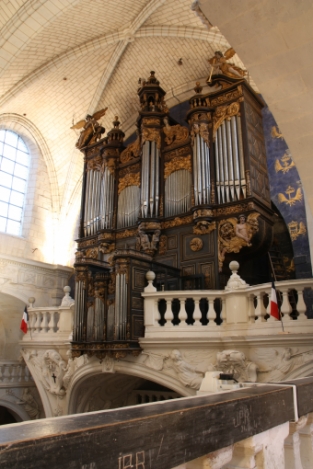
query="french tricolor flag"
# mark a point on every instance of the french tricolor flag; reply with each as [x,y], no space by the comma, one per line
[24,321]
[274,305]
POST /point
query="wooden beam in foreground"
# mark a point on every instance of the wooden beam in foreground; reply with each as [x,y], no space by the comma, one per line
[150,436]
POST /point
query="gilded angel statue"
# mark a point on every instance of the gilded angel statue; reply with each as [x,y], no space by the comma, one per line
[219,62]
[92,130]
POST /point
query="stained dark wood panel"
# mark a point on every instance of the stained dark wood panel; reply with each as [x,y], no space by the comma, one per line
[161,435]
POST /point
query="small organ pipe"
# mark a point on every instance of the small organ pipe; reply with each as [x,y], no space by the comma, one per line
[235,155]
[195,170]
[221,164]
[199,170]
[230,159]
[203,170]
[152,172]
[157,181]
[225,160]
[241,157]
[208,173]
[117,306]
[217,166]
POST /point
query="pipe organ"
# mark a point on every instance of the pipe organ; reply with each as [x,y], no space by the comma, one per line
[181,200]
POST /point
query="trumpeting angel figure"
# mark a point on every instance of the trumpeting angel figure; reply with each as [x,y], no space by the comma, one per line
[219,63]
[92,130]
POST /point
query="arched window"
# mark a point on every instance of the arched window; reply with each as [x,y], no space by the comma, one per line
[14,165]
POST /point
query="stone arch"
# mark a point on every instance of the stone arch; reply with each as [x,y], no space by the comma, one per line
[125,368]
[16,410]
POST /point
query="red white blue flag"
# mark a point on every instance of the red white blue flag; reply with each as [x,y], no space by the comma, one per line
[24,321]
[274,305]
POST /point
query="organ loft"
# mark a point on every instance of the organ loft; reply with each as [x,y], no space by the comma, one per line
[179,200]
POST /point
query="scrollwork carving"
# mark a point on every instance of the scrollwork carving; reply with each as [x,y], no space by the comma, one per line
[224,112]
[177,222]
[177,163]
[152,135]
[132,151]
[175,133]
[196,244]
[234,234]
[130,179]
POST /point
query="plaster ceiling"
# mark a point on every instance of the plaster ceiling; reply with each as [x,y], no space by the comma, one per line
[62,60]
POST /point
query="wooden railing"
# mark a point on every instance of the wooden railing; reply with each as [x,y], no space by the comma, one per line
[240,424]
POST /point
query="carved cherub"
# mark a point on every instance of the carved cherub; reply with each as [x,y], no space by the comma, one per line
[219,62]
[92,130]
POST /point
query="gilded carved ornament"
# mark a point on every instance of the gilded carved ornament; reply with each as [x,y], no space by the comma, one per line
[234,234]
[177,163]
[94,164]
[196,244]
[131,152]
[130,179]
[175,133]
[219,63]
[151,121]
[204,227]
[126,234]
[163,245]
[177,222]
[151,135]
[110,164]
[106,248]
[224,98]
[91,129]
[224,112]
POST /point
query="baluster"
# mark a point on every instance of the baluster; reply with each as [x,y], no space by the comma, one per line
[260,311]
[168,316]
[20,373]
[44,323]
[211,314]
[1,371]
[223,311]
[38,321]
[14,373]
[52,325]
[27,375]
[182,315]
[6,373]
[31,321]
[301,306]
[285,306]
[251,312]
[197,313]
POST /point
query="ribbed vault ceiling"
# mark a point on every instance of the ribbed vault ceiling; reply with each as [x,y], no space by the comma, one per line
[62,60]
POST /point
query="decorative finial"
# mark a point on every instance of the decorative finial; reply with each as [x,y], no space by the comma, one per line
[198,87]
[116,123]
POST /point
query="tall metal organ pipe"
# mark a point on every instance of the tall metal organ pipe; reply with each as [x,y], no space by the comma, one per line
[128,206]
[229,161]
[120,307]
[201,171]
[178,193]
[99,198]
[79,310]
[150,175]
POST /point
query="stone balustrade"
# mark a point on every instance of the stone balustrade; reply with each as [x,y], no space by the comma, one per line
[239,307]
[14,373]
[52,322]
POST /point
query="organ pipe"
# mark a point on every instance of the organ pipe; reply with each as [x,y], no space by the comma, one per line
[201,171]
[229,161]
